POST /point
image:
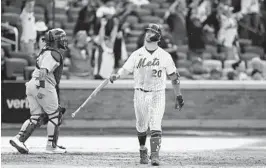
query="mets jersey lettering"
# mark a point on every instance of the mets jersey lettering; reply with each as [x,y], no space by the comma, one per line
[150,70]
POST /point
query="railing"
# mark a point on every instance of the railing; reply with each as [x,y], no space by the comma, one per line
[15,30]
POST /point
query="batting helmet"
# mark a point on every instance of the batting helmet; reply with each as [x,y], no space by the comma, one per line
[155,28]
[56,35]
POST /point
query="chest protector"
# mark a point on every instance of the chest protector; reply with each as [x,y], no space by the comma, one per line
[59,70]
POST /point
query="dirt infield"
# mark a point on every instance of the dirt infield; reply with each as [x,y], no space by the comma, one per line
[230,158]
[185,152]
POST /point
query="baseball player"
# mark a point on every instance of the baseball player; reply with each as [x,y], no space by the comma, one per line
[151,65]
[42,95]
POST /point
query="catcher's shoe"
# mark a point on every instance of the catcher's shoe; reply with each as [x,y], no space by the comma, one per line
[144,159]
[20,146]
[155,159]
[51,149]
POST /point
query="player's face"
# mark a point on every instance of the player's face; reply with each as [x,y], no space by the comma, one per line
[149,34]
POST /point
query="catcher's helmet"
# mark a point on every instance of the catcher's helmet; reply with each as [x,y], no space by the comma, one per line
[56,35]
[155,28]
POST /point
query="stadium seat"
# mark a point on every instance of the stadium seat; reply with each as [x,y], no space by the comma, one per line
[159,12]
[6,45]
[57,24]
[211,49]
[181,56]
[11,9]
[28,72]
[75,11]
[151,6]
[212,64]
[206,56]
[69,32]
[11,18]
[38,10]
[132,39]
[60,11]
[165,5]
[131,47]
[228,64]
[136,33]
[62,18]
[143,12]
[254,49]
[183,64]
[248,56]
[245,42]
[66,72]
[69,25]
[15,66]
[150,19]
[139,26]
[264,67]
[22,55]
[182,48]
[184,72]
[132,19]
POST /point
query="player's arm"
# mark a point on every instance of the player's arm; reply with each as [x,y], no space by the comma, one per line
[174,77]
[127,68]
[48,64]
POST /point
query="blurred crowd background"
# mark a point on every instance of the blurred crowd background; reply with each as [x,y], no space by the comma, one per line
[208,39]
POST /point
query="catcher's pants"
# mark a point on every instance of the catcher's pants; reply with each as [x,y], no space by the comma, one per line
[48,104]
[149,109]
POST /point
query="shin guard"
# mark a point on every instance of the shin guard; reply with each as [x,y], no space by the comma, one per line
[55,120]
[155,141]
[30,125]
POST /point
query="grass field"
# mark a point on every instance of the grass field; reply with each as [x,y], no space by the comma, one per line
[122,151]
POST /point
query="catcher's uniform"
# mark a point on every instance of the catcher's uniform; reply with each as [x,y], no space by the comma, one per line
[51,60]
[150,72]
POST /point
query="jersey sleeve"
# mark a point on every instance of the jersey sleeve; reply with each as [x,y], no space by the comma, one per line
[170,65]
[129,65]
[49,62]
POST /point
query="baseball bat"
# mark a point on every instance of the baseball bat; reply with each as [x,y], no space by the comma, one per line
[92,95]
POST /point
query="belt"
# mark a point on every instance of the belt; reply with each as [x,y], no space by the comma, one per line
[143,90]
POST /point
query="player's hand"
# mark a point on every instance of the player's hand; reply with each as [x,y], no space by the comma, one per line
[179,102]
[114,77]
[40,94]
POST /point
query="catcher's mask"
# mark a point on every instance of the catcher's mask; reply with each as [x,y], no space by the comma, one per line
[56,36]
[157,30]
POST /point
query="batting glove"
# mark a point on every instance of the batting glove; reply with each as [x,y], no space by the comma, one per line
[179,102]
[114,77]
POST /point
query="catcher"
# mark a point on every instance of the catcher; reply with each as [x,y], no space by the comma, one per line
[42,94]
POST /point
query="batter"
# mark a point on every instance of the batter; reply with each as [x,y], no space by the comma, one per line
[151,65]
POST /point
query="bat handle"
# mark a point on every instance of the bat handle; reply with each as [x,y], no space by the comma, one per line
[74,114]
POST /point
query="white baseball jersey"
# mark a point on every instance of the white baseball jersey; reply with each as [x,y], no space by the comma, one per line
[150,72]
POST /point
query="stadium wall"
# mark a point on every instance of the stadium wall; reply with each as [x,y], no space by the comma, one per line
[208,104]
[221,100]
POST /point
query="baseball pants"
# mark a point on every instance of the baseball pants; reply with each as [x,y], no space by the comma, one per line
[48,104]
[149,110]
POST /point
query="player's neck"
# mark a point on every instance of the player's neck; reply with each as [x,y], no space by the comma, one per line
[151,46]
